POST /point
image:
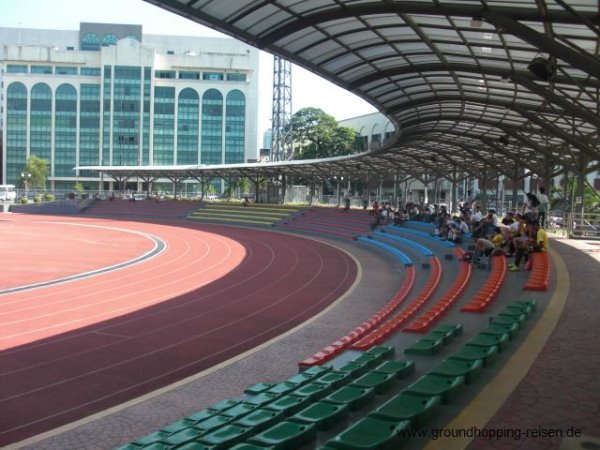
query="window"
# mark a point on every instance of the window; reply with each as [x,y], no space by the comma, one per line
[109,39]
[90,71]
[169,74]
[65,70]
[65,130]
[236,77]
[187,126]
[212,76]
[164,125]
[90,42]
[212,127]
[16,68]
[187,75]
[41,69]
[235,127]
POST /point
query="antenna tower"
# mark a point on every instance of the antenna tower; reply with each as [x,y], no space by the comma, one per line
[281,146]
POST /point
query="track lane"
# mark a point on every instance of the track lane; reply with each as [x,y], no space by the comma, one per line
[280,282]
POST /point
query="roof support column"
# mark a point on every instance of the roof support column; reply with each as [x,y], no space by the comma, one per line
[515,183]
[483,189]
[453,206]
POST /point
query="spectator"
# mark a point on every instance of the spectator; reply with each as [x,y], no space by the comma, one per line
[543,206]
[535,240]
[530,208]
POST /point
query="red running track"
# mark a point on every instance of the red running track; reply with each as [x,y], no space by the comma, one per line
[72,349]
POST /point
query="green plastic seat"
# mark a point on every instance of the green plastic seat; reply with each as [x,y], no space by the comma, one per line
[521,318]
[247,446]
[151,438]
[385,351]
[223,404]
[505,320]
[510,328]
[430,385]
[260,419]
[128,447]
[201,415]
[371,360]
[354,369]
[300,379]
[313,391]
[530,303]
[400,369]
[281,388]
[317,371]
[452,367]
[444,336]
[183,436]
[177,426]
[226,436]
[518,309]
[370,433]
[193,446]
[471,352]
[239,410]
[212,422]
[379,381]
[456,330]
[484,339]
[420,410]
[322,414]
[334,379]
[289,404]
[355,397]
[258,388]
[158,446]
[424,347]
[286,435]
[261,399]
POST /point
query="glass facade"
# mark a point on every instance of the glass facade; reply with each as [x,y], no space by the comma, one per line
[40,121]
[89,126]
[212,127]
[235,126]
[126,105]
[65,131]
[188,107]
[16,131]
[164,125]
[94,112]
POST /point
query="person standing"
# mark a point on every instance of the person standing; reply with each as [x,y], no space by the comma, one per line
[543,206]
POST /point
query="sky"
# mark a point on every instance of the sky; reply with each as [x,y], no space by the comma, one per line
[308,90]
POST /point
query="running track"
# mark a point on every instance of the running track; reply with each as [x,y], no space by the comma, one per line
[71,349]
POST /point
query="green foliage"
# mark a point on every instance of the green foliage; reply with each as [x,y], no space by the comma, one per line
[562,196]
[79,188]
[316,134]
[24,200]
[38,169]
[49,197]
[37,198]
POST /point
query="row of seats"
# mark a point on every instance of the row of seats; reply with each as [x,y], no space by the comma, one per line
[424,234]
[382,332]
[312,220]
[403,257]
[323,229]
[236,213]
[287,414]
[486,295]
[415,245]
[357,333]
[539,276]
[390,425]
[440,307]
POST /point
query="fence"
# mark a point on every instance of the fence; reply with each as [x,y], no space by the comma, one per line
[583,225]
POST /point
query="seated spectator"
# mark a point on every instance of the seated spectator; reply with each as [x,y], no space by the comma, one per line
[458,228]
[485,247]
[535,240]
[476,217]
[487,225]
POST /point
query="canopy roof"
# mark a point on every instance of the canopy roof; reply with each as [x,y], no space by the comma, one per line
[454,76]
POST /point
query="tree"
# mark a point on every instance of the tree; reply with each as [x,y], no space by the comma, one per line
[38,169]
[316,134]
